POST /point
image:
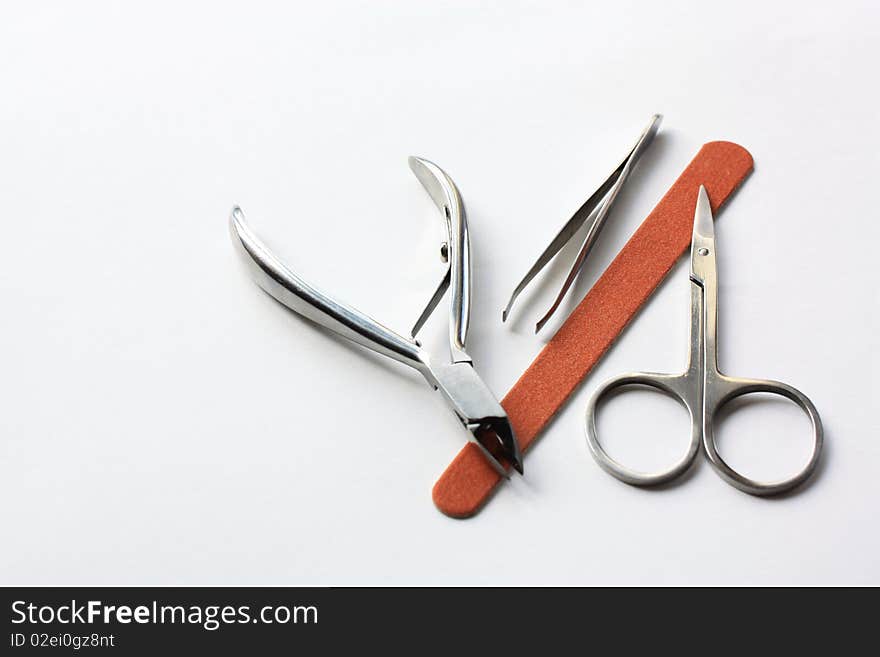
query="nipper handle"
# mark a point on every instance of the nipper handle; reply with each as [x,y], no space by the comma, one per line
[290,290]
[447,198]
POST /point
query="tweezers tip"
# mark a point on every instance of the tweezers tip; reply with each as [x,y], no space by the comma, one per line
[506,312]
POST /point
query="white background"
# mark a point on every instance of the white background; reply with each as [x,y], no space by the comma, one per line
[164,422]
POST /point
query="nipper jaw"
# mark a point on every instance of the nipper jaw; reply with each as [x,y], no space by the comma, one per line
[479,412]
[464,391]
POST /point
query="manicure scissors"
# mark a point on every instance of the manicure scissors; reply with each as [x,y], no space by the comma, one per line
[702,388]
[465,392]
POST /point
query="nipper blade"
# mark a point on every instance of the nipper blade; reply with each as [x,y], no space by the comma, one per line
[480,412]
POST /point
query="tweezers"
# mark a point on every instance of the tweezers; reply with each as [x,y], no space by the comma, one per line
[600,203]
[471,400]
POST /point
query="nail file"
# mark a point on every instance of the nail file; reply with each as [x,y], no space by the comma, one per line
[598,320]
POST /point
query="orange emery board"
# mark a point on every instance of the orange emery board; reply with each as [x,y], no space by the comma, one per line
[598,320]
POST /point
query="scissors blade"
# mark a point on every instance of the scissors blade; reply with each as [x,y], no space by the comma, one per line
[703,240]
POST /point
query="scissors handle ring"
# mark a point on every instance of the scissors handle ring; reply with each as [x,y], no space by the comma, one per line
[725,389]
[674,385]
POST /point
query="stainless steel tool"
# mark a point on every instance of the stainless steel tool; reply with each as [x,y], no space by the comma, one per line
[598,206]
[464,391]
[702,388]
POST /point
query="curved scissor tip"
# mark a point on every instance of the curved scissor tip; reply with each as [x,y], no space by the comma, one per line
[703,220]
